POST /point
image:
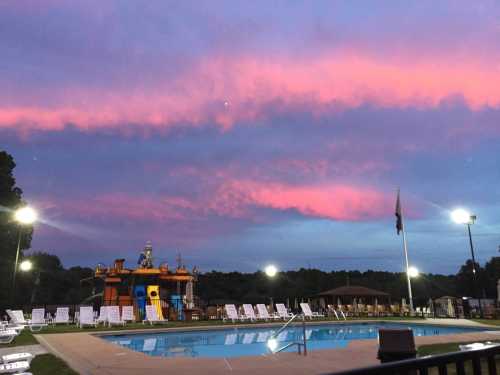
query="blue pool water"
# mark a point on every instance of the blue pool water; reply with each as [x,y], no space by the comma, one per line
[238,342]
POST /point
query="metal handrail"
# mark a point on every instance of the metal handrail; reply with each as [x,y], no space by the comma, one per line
[285,325]
[300,345]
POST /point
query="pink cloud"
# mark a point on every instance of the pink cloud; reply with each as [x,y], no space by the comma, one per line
[226,90]
[235,199]
[331,201]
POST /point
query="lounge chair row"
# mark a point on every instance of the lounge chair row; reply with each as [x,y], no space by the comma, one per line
[260,312]
[376,310]
[108,315]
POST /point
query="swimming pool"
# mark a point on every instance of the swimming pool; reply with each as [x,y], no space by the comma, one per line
[238,342]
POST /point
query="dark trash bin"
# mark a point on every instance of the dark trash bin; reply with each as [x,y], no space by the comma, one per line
[396,345]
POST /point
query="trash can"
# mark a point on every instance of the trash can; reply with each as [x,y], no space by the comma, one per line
[396,345]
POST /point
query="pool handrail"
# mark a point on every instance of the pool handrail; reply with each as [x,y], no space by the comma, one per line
[299,344]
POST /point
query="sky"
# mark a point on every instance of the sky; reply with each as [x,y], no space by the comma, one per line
[243,133]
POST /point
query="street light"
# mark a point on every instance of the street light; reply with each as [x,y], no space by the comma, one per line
[413,272]
[461,216]
[25,265]
[271,270]
[24,216]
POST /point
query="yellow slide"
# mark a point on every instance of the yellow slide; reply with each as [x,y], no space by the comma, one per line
[154,298]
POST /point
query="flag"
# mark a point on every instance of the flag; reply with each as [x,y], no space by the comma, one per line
[399,216]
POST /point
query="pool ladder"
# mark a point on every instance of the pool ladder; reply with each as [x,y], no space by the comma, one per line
[301,345]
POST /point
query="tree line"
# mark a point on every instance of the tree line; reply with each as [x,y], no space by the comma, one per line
[257,287]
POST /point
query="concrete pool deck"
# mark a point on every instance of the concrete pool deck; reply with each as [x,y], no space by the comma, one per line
[86,353]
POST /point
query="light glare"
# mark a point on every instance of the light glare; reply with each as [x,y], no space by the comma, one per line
[460,216]
[26,266]
[26,215]
[413,272]
[272,344]
[271,270]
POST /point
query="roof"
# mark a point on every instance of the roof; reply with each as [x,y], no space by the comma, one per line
[446,297]
[354,291]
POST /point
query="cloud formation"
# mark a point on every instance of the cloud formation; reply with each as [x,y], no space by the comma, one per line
[243,89]
[194,124]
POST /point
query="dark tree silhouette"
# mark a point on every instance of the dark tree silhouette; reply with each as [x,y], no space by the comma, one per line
[10,199]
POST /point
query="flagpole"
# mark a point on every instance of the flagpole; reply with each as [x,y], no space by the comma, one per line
[405,246]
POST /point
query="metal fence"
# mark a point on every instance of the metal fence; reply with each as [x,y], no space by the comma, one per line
[476,361]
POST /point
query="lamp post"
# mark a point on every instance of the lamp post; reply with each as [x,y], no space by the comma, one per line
[461,216]
[24,216]
[27,266]
[271,271]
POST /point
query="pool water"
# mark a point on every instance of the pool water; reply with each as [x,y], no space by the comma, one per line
[238,342]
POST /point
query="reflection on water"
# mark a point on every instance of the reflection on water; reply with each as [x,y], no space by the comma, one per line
[252,341]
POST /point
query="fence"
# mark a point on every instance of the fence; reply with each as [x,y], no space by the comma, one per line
[477,360]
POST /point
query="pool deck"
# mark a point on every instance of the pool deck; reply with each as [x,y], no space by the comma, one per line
[86,353]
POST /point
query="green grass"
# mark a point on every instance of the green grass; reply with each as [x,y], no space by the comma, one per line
[491,322]
[24,338]
[44,364]
[48,364]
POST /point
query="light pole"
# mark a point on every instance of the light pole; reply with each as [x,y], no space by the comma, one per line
[412,273]
[461,216]
[27,266]
[24,216]
[271,271]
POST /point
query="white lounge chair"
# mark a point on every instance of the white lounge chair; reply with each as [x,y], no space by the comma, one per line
[262,312]
[62,315]
[86,317]
[283,312]
[232,313]
[37,321]
[8,335]
[152,316]
[128,314]
[16,357]
[17,318]
[306,310]
[114,317]
[103,315]
[249,312]
[14,367]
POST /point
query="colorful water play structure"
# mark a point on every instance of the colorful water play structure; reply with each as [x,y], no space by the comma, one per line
[169,291]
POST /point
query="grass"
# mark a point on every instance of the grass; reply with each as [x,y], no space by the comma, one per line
[491,322]
[44,364]
[48,364]
[448,348]
[24,338]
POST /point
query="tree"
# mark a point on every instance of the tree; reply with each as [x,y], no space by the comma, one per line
[10,199]
[467,284]
[492,275]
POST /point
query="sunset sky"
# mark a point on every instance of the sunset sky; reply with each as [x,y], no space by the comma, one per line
[243,133]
